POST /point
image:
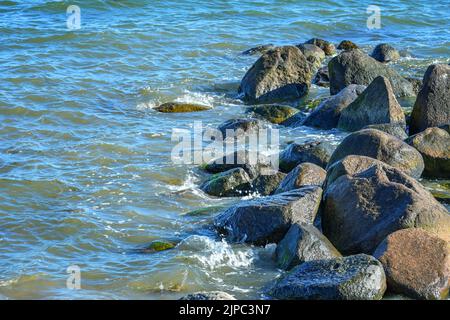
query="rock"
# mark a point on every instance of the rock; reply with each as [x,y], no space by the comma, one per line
[267,184]
[385,53]
[204,211]
[358,277]
[156,246]
[280,74]
[232,183]
[361,210]
[304,174]
[416,83]
[354,66]
[273,113]
[376,105]
[347,45]
[327,114]
[396,130]
[258,49]
[434,146]
[240,126]
[381,146]
[266,220]
[303,242]
[313,54]
[326,46]
[322,78]
[315,152]
[432,106]
[416,264]
[172,107]
[212,295]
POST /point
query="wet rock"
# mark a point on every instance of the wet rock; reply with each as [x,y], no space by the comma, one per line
[281,74]
[211,295]
[156,246]
[416,83]
[313,54]
[396,130]
[356,67]
[267,184]
[316,152]
[385,53]
[434,146]
[432,106]
[327,114]
[241,126]
[273,113]
[303,242]
[172,107]
[381,146]
[347,45]
[232,183]
[204,211]
[322,78]
[258,49]
[266,220]
[326,46]
[304,174]
[358,277]
[376,105]
[416,264]
[361,210]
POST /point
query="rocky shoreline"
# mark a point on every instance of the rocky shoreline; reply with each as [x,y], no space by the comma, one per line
[352,221]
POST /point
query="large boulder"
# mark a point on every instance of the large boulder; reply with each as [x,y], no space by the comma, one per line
[273,113]
[325,45]
[211,295]
[326,115]
[280,74]
[358,277]
[304,174]
[303,242]
[313,54]
[432,106]
[354,66]
[240,126]
[376,105]
[232,183]
[381,146]
[385,53]
[416,264]
[315,152]
[394,129]
[361,210]
[265,185]
[266,220]
[178,107]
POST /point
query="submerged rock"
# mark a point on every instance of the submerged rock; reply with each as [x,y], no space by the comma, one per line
[385,53]
[432,106]
[258,49]
[376,105]
[211,295]
[381,146]
[273,113]
[316,152]
[394,129]
[156,246]
[416,264]
[322,78]
[356,67]
[303,242]
[180,107]
[266,220]
[358,277]
[347,45]
[232,183]
[326,46]
[281,74]
[240,126]
[304,174]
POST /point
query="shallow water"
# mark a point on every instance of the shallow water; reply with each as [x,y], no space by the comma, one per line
[85,170]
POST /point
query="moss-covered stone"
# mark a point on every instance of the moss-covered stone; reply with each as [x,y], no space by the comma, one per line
[347,45]
[273,113]
[172,107]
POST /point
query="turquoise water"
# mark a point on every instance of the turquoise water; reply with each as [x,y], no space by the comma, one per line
[85,170]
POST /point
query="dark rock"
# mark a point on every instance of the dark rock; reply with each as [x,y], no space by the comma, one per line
[356,67]
[432,107]
[232,183]
[326,46]
[212,295]
[358,277]
[240,126]
[266,220]
[313,54]
[347,45]
[376,105]
[273,113]
[303,242]
[327,114]
[280,74]
[304,174]
[396,130]
[416,264]
[258,49]
[385,53]
[267,184]
[416,83]
[316,152]
[361,210]
[381,146]
[322,78]
[172,107]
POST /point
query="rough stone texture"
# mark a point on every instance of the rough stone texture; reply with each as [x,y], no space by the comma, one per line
[376,105]
[434,146]
[212,295]
[273,113]
[432,106]
[266,220]
[267,184]
[313,54]
[417,84]
[172,107]
[258,49]
[358,277]
[381,146]
[347,45]
[327,114]
[304,174]
[354,66]
[326,46]
[280,74]
[240,126]
[396,130]
[322,78]
[416,264]
[361,210]
[316,152]
[385,53]
[232,183]
[303,242]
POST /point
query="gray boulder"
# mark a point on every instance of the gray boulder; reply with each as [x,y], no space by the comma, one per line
[385,53]
[316,152]
[232,183]
[326,46]
[304,174]
[267,184]
[313,54]
[240,126]
[394,129]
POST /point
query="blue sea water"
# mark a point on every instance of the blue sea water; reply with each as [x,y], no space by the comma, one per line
[85,170]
